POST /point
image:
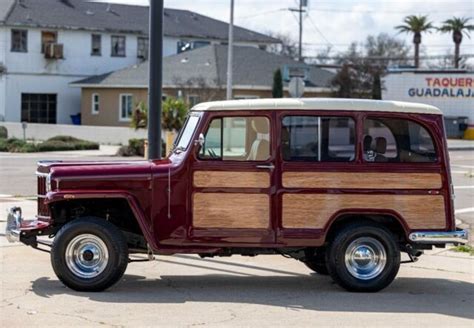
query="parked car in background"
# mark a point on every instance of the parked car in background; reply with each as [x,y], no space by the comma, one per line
[343,186]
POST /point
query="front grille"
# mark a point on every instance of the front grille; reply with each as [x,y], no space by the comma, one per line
[43,209]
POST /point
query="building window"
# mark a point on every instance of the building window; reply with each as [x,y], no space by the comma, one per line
[142,48]
[184,45]
[38,108]
[118,46]
[19,41]
[193,100]
[48,37]
[95,105]
[237,139]
[126,107]
[96,49]
[318,139]
[398,141]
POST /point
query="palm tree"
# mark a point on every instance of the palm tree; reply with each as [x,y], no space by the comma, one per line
[458,26]
[416,25]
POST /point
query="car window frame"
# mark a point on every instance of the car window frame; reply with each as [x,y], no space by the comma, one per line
[421,123]
[321,114]
[221,116]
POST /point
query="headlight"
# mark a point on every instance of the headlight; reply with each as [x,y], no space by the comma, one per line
[48,182]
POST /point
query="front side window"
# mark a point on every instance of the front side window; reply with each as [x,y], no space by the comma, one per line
[237,139]
[397,140]
[19,41]
[126,107]
[142,48]
[96,49]
[95,103]
[318,139]
[118,46]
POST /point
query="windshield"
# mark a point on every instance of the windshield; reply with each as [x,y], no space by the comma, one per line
[187,131]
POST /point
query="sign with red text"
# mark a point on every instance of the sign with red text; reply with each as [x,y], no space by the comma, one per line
[444,87]
[452,92]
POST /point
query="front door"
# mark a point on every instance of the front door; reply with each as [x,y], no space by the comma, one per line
[232,179]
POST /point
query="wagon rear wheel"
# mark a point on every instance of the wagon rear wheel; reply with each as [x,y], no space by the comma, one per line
[89,254]
[363,257]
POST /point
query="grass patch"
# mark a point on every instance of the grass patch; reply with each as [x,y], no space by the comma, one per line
[464,249]
[58,143]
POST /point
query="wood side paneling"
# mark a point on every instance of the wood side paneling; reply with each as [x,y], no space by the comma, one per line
[313,211]
[231,210]
[359,180]
[231,179]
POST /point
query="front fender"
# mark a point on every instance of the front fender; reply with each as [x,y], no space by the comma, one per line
[53,197]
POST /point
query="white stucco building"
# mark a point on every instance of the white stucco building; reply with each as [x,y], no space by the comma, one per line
[47,44]
[452,91]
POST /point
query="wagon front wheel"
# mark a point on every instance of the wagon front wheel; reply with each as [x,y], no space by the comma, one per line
[89,254]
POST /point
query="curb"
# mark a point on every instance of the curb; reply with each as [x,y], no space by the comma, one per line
[460,148]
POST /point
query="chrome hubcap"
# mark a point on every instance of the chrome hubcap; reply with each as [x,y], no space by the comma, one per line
[86,256]
[365,258]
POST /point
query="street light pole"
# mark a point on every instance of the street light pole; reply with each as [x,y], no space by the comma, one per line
[300,10]
[155,78]
[230,52]
[300,49]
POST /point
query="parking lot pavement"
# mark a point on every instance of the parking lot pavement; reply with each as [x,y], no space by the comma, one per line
[185,290]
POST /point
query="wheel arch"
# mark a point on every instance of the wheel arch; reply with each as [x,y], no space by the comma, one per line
[388,218]
[61,203]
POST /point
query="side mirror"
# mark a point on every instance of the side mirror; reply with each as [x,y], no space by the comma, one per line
[200,140]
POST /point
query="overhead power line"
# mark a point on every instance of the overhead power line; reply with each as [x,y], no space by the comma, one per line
[384,57]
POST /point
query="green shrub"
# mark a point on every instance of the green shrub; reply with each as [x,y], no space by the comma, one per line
[64,139]
[12,145]
[136,147]
[3,132]
[59,143]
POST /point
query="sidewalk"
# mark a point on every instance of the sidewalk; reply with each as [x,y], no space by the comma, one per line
[460,144]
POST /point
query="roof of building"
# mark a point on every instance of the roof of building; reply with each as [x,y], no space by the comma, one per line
[5,7]
[253,69]
[86,15]
[330,104]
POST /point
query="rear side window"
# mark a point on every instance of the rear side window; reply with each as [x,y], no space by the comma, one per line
[318,139]
[397,140]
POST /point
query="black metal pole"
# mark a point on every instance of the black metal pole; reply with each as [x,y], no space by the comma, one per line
[155,79]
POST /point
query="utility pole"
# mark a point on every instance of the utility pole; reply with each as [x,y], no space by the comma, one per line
[155,79]
[300,11]
[230,52]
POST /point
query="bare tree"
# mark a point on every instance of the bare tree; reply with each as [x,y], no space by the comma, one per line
[198,86]
[360,75]
[287,47]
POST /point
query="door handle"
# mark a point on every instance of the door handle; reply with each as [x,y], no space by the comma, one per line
[269,166]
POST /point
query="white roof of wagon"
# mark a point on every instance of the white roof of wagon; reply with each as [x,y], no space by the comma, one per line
[330,104]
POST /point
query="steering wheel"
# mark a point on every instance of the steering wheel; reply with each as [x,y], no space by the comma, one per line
[212,153]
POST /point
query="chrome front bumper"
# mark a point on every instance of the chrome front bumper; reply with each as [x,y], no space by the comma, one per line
[13,229]
[440,237]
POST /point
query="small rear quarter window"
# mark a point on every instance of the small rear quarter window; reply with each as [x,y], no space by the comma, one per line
[397,140]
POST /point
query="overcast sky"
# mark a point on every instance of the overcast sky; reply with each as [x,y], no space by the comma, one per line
[336,22]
